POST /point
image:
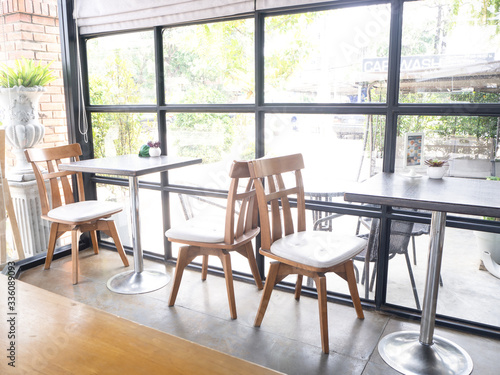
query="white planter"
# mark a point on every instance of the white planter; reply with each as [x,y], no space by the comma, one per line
[489,248]
[154,151]
[19,107]
[436,172]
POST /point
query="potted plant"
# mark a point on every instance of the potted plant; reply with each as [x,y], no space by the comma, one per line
[150,149]
[489,245]
[435,168]
[21,87]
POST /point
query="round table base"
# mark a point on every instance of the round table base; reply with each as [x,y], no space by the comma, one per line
[404,353]
[131,282]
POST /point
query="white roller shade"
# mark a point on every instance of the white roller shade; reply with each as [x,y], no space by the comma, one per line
[95,16]
[272,4]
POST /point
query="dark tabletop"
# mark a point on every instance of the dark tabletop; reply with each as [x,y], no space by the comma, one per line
[457,195]
[129,165]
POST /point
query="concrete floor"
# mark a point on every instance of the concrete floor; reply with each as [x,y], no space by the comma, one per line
[287,341]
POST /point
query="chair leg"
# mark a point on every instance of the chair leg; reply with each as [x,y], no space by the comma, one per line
[412,280]
[75,236]
[204,268]
[95,244]
[353,289]
[182,261]
[228,274]
[323,312]
[118,243]
[298,287]
[268,289]
[253,265]
[414,250]
[52,244]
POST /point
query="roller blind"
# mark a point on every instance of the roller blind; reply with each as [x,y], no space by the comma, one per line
[96,16]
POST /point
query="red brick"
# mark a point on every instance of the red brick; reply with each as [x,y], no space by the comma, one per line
[29,27]
[47,56]
[48,21]
[53,10]
[59,114]
[54,48]
[52,30]
[17,17]
[29,6]
[54,138]
[42,37]
[37,7]
[51,106]
[7,28]
[30,46]
[53,89]
[18,54]
[57,98]
[21,5]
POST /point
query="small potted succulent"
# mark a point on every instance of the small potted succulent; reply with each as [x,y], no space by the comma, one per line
[435,168]
[150,149]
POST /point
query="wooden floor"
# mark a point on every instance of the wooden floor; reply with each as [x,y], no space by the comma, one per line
[287,341]
[54,335]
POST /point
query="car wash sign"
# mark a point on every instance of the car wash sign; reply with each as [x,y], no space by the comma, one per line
[409,63]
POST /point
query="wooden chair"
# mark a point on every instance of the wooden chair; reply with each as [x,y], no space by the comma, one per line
[66,214]
[295,250]
[208,236]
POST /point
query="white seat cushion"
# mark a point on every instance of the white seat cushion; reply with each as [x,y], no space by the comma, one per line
[84,211]
[207,229]
[318,249]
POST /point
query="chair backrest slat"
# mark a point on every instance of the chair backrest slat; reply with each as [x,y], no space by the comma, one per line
[273,172]
[60,182]
[247,216]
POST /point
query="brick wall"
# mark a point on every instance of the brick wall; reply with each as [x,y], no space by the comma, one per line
[30,28]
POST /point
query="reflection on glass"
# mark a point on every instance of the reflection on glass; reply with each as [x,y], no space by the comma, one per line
[338,151]
[467,143]
[210,63]
[217,138]
[450,52]
[121,69]
[329,56]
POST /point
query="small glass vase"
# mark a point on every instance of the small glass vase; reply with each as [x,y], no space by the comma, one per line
[154,151]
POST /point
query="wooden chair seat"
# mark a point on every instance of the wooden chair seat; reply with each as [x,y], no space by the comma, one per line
[296,251]
[317,249]
[82,212]
[212,235]
[65,213]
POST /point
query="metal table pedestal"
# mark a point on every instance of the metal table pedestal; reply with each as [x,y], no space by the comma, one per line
[414,353]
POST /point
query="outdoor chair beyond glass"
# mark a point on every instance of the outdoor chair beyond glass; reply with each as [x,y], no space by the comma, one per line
[66,214]
[293,249]
[212,236]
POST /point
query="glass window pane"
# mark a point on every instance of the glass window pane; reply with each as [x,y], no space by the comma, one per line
[338,150]
[467,143]
[217,138]
[121,69]
[150,213]
[210,63]
[450,52]
[122,134]
[329,56]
